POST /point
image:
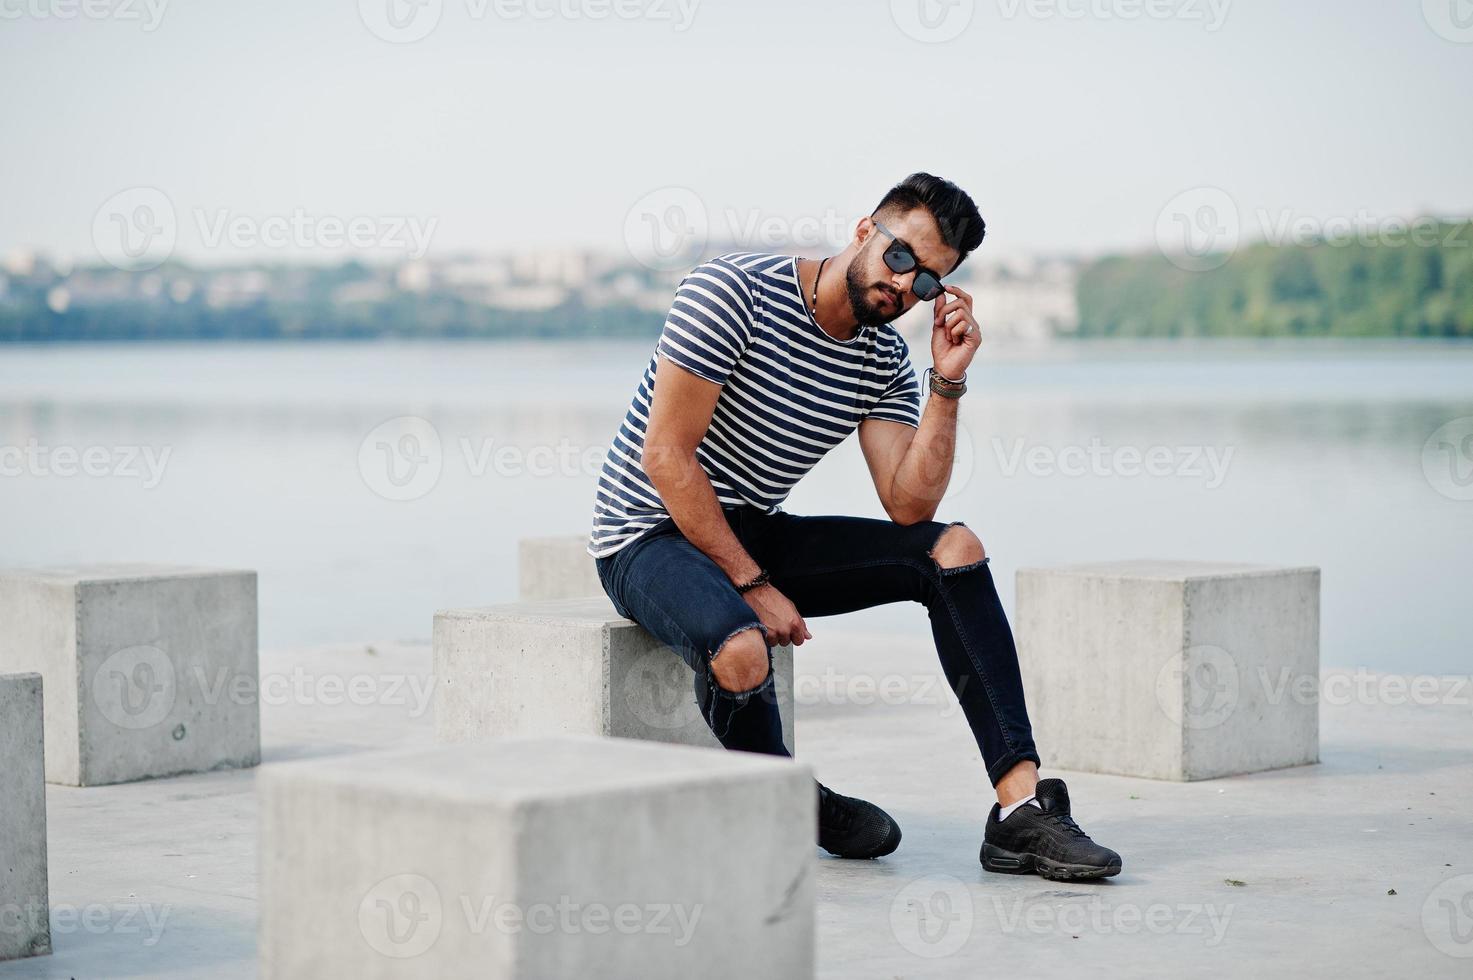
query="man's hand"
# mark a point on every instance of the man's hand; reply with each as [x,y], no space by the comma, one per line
[955,334]
[779,615]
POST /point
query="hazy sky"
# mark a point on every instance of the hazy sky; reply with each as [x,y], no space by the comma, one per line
[539,123]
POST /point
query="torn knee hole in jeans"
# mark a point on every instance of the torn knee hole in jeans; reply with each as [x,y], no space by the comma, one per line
[957,569]
[740,629]
[711,672]
[716,695]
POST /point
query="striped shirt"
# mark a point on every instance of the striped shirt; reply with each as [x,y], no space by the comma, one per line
[790,392]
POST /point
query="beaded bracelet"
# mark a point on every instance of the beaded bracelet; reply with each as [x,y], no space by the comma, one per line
[761,579]
[944,386]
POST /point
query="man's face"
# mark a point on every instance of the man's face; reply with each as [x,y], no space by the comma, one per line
[878,295]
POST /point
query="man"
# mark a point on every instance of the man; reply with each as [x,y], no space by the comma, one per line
[767,362]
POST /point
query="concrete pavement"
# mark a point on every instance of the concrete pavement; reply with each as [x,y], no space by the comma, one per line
[1285,873]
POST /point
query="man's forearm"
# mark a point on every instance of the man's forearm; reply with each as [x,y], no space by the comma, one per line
[688,496]
[925,469]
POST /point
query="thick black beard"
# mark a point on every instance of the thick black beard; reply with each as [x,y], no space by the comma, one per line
[866,314]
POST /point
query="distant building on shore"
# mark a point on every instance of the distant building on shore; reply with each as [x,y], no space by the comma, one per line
[547,293]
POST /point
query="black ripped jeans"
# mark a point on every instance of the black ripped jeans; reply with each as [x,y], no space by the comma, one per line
[825,565]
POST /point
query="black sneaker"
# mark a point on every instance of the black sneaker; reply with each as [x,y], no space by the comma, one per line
[850,828]
[1045,840]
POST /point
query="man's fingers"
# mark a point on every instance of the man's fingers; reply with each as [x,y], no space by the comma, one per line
[960,316]
[944,312]
[947,320]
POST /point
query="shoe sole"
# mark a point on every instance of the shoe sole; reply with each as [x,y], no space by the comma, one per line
[888,846]
[1011,863]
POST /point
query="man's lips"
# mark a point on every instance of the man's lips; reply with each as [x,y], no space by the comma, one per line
[888,297]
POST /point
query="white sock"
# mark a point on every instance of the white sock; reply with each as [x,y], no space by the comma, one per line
[1004,812]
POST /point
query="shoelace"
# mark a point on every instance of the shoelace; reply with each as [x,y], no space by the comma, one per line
[832,812]
[1066,822]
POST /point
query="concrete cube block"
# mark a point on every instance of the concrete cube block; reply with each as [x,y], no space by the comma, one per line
[1170,669]
[556,568]
[150,670]
[25,924]
[536,858]
[570,666]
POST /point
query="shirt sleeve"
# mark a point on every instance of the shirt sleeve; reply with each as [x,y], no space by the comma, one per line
[901,401]
[710,322]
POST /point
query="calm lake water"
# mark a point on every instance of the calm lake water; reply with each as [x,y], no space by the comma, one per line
[272,457]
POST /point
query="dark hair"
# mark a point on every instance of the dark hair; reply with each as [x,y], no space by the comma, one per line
[961,224]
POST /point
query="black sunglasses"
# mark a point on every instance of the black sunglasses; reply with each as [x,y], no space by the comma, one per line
[899,258]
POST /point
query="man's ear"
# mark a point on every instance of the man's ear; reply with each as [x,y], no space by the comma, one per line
[863,229]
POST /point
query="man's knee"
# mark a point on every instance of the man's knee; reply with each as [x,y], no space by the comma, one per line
[957,547]
[741,663]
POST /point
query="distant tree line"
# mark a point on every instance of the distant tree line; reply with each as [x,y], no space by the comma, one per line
[403,316]
[1357,287]
[1349,288]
